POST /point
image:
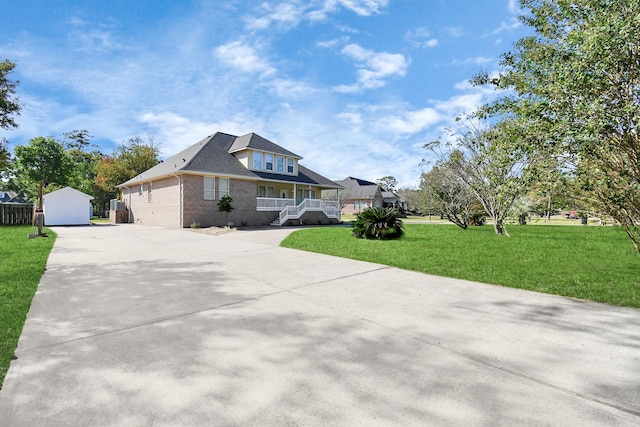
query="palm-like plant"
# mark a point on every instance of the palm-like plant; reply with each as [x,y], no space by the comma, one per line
[377,223]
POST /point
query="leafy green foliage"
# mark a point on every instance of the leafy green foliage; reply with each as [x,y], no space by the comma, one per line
[9,104]
[22,262]
[43,159]
[576,85]
[224,205]
[378,223]
[561,260]
[5,156]
[447,194]
[387,183]
[488,162]
[128,160]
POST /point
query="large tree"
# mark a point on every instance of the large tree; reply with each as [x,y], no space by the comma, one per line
[78,147]
[5,156]
[576,80]
[9,106]
[491,162]
[444,192]
[40,164]
[387,183]
[130,159]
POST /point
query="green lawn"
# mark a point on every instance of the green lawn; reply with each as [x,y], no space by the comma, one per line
[22,262]
[594,263]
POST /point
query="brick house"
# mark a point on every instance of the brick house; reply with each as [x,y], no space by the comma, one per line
[358,195]
[267,183]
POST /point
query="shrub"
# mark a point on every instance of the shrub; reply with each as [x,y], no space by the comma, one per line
[377,223]
[224,205]
[477,218]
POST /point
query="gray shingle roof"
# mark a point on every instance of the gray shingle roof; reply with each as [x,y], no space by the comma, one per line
[256,142]
[356,188]
[212,155]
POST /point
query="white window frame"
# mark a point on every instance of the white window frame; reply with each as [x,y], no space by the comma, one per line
[149,193]
[269,162]
[290,164]
[223,187]
[280,164]
[141,190]
[209,192]
[265,192]
[257,160]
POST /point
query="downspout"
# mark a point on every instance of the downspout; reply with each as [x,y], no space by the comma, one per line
[180,213]
[129,205]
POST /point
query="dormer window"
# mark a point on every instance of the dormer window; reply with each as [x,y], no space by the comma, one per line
[257,160]
[268,162]
[280,164]
[289,165]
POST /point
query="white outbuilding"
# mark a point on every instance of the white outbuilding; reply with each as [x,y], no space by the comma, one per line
[67,206]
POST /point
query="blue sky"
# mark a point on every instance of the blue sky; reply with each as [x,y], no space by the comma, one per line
[356,87]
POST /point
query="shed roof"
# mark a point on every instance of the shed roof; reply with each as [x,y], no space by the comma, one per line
[68,191]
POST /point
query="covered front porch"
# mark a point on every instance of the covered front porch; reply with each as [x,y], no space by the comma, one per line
[294,200]
[289,210]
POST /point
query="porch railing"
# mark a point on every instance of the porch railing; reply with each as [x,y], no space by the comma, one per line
[331,210]
[274,204]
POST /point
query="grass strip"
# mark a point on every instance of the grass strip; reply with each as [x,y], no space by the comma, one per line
[22,262]
[592,263]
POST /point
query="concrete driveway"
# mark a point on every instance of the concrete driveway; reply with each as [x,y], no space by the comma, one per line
[137,326]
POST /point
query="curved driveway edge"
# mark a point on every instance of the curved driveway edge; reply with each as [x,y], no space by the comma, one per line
[136,325]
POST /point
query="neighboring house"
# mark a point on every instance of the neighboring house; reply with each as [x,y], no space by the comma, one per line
[67,206]
[392,200]
[266,182]
[10,197]
[359,195]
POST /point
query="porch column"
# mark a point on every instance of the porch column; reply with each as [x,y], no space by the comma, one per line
[295,194]
[309,195]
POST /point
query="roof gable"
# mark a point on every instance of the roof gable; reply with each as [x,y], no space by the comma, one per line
[69,191]
[254,141]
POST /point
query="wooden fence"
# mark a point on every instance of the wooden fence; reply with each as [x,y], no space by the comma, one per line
[16,213]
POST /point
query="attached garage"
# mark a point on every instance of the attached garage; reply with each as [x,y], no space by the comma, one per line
[67,206]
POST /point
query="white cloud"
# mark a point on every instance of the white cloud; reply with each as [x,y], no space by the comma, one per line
[243,58]
[410,122]
[175,132]
[374,67]
[513,24]
[282,14]
[360,7]
[421,37]
[332,43]
[454,32]
[478,60]
[292,89]
[514,7]
[430,43]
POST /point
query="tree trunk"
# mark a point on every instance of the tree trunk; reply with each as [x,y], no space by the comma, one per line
[549,208]
[497,226]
